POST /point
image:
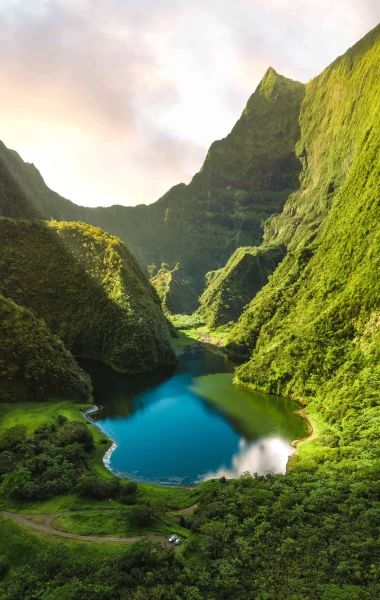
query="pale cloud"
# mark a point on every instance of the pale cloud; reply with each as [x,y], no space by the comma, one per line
[115,101]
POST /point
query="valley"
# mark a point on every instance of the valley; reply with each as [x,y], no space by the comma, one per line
[218,314]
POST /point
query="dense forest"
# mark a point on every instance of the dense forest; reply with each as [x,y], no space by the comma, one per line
[281,231]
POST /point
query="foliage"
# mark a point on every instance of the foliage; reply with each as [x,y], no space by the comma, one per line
[34,363]
[92,487]
[246,177]
[314,327]
[175,289]
[234,286]
[89,291]
[312,333]
[144,514]
[186,322]
[46,464]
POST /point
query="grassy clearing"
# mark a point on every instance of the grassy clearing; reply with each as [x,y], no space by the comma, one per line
[172,497]
[21,546]
[34,414]
[115,524]
[186,337]
[183,340]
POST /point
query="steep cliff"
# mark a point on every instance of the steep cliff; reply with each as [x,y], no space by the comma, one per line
[176,290]
[34,363]
[314,328]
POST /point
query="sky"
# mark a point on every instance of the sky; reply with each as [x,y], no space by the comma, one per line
[115,101]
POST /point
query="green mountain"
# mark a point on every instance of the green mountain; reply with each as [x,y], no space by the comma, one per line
[176,290]
[231,288]
[34,362]
[88,289]
[313,331]
[246,178]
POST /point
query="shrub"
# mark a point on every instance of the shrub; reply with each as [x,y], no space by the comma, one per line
[13,437]
[61,419]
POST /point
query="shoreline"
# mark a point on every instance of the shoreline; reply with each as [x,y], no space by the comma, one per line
[108,453]
[301,412]
[106,459]
[312,430]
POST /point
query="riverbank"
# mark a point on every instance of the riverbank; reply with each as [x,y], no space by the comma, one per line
[311,421]
[312,427]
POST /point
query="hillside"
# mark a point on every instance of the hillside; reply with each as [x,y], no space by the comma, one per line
[88,289]
[315,327]
[175,289]
[231,288]
[246,178]
[34,363]
[310,332]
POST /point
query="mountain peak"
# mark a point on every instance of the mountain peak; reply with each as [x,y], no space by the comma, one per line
[273,84]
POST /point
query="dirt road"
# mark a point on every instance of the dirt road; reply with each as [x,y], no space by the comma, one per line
[47,528]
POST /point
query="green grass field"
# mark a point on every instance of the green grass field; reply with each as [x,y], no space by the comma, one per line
[113,523]
[187,337]
[21,545]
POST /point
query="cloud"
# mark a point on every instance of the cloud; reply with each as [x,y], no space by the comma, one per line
[117,101]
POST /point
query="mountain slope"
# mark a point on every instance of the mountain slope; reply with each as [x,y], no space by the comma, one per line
[246,178]
[314,328]
[234,286]
[34,363]
[88,289]
[176,290]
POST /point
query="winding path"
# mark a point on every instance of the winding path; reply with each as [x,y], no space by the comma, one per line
[47,528]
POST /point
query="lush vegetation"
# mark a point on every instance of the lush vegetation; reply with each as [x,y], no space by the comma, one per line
[246,178]
[34,363]
[230,289]
[314,327]
[176,290]
[88,289]
[312,333]
[50,462]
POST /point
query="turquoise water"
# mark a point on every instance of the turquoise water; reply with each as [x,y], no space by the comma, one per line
[186,426]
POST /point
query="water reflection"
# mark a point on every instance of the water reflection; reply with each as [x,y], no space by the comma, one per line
[269,455]
[193,424]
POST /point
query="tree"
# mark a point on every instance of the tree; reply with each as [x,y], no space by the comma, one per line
[143,514]
[74,431]
[13,436]
[15,484]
